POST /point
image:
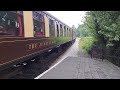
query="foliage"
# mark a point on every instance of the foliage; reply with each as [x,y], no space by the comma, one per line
[106,26]
[76,31]
[87,42]
[84,32]
[103,26]
[61,40]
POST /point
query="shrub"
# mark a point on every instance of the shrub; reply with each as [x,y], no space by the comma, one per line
[86,42]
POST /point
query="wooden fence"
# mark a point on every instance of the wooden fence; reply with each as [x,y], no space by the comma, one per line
[113,55]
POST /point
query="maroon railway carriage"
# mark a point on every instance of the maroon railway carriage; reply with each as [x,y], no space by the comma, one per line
[25,34]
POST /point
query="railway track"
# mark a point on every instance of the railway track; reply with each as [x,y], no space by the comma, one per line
[34,67]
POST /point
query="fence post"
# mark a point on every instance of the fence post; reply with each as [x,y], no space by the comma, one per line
[91,52]
[102,54]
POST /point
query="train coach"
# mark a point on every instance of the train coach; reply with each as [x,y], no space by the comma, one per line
[25,34]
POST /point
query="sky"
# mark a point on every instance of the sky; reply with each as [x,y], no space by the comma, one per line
[69,17]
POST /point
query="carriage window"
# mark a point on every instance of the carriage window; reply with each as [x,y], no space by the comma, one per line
[65,31]
[51,28]
[69,32]
[61,30]
[11,23]
[57,31]
[39,25]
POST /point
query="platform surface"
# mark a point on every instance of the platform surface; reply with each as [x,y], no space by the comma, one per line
[83,68]
[75,64]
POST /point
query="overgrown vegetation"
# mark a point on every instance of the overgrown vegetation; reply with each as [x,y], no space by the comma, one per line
[87,42]
[61,40]
[103,26]
[101,29]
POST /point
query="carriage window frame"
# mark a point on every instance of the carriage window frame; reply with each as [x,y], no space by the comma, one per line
[65,31]
[69,32]
[61,30]
[57,27]
[38,18]
[51,27]
[7,24]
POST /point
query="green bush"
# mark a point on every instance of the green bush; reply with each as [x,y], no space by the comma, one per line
[61,40]
[86,42]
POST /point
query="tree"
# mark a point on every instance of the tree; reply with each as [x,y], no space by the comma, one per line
[105,26]
[74,28]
